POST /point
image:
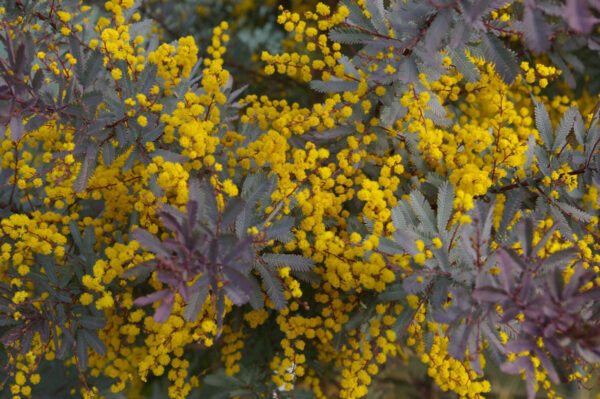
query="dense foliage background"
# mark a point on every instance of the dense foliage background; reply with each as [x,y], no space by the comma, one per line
[299,199]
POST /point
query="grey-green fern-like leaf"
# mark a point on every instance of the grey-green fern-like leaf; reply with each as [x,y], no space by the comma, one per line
[564,127]
[464,65]
[273,286]
[511,207]
[357,15]
[347,35]
[334,86]
[543,125]
[88,166]
[377,11]
[294,262]
[445,200]
[92,69]
[574,212]
[422,210]
[503,58]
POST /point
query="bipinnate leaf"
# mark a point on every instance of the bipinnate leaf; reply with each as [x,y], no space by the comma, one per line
[88,166]
[437,31]
[564,127]
[93,341]
[151,298]
[334,85]
[93,67]
[294,262]
[503,59]
[535,30]
[198,293]
[273,286]
[464,65]
[580,19]
[422,210]
[511,207]
[357,15]
[16,128]
[149,242]
[445,207]
[377,11]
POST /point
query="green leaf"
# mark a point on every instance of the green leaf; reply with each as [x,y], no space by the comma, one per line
[75,234]
[81,350]
[47,263]
[393,293]
[222,380]
[92,323]
[91,338]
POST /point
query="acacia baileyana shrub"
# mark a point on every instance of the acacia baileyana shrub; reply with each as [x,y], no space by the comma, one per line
[427,216]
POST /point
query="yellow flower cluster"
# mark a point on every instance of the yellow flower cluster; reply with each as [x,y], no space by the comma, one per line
[175,63]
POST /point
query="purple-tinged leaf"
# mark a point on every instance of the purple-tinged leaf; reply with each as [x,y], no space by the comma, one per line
[525,233]
[580,19]
[184,290]
[590,295]
[164,309]
[547,363]
[236,296]
[458,338]
[554,284]
[199,293]
[510,367]
[507,267]
[239,280]
[509,313]
[150,242]
[530,328]
[169,220]
[520,345]
[151,298]
[16,128]
[239,250]
[590,356]
[535,30]
[213,250]
[574,282]
[490,294]
[436,32]
[168,277]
